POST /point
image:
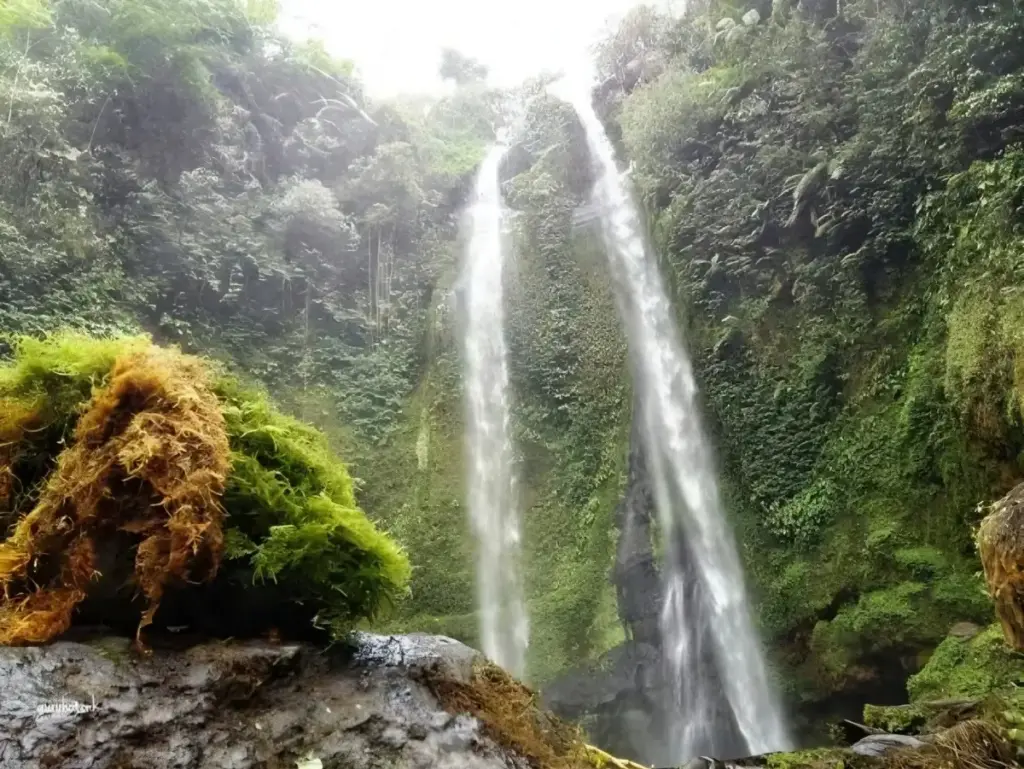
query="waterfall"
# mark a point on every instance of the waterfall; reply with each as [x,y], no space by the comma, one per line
[491,482]
[723,701]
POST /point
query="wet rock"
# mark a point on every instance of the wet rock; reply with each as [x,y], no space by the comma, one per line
[880,744]
[239,706]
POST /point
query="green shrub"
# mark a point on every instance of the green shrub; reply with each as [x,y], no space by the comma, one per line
[895,719]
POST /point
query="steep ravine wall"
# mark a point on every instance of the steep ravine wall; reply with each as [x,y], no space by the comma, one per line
[837,211]
[571,423]
[836,205]
[858,361]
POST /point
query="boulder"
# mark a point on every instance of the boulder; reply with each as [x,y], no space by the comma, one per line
[880,744]
[236,705]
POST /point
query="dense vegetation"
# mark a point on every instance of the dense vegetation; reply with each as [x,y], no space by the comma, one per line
[836,192]
[179,168]
[834,189]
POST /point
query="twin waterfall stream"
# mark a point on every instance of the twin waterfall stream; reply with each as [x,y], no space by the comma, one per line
[722,701]
[494,513]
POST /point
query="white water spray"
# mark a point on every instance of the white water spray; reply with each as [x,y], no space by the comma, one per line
[705,596]
[493,511]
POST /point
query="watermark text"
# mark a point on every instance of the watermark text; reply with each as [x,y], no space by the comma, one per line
[64,707]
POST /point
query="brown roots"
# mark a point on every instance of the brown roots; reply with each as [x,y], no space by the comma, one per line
[512,717]
[150,457]
[1001,546]
[970,745]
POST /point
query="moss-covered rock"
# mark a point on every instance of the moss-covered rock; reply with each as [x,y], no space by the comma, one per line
[118,451]
[820,758]
[895,719]
[971,668]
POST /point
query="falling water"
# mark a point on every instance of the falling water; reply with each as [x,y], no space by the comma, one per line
[723,699]
[492,505]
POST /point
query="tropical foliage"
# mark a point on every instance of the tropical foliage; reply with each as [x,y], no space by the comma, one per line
[176,165]
[835,190]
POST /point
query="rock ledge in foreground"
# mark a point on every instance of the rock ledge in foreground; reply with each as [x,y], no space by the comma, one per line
[236,705]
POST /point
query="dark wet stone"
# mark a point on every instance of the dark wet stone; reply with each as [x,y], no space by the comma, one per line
[879,744]
[238,706]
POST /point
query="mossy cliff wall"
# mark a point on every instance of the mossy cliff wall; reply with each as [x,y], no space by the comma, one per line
[835,197]
[571,419]
[837,206]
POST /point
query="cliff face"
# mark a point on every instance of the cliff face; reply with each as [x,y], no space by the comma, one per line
[836,206]
[570,422]
[635,575]
[624,698]
[837,211]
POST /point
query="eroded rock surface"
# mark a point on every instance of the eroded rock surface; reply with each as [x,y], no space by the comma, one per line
[238,705]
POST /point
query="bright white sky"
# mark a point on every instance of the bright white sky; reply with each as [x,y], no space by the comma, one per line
[396,44]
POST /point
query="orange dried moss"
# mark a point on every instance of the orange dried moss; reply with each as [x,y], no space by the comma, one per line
[150,457]
[16,419]
[1001,547]
[972,744]
[512,717]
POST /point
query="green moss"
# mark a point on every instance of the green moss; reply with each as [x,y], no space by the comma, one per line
[567,358]
[820,758]
[907,616]
[922,562]
[414,482]
[118,650]
[291,517]
[57,374]
[895,719]
[970,668]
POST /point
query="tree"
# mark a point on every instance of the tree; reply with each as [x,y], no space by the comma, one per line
[461,69]
[639,37]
